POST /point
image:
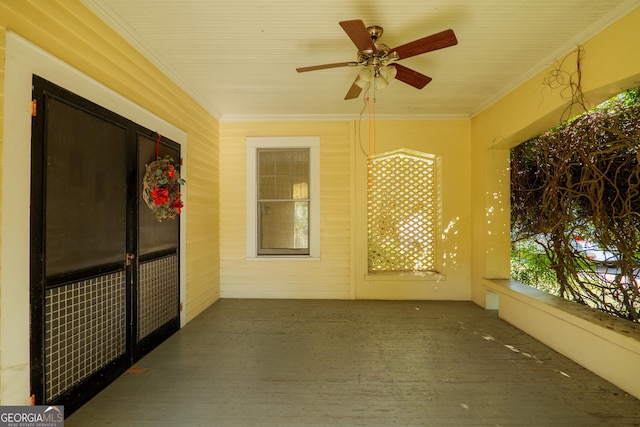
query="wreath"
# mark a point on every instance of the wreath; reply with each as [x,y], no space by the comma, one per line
[161,188]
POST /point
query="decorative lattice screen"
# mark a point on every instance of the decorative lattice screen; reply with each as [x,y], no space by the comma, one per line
[401,212]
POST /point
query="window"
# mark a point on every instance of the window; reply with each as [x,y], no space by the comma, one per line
[283,197]
[401,212]
[283,201]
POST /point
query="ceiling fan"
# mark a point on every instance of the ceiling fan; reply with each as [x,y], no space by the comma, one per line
[376,58]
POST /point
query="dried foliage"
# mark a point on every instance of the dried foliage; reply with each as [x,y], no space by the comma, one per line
[582,179]
[568,82]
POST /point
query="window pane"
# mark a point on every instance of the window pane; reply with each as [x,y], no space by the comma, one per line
[300,174]
[300,187]
[283,174]
[284,162]
[284,226]
[283,187]
[267,162]
[300,162]
[267,187]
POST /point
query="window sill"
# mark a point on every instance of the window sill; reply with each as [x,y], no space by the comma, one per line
[284,258]
[410,276]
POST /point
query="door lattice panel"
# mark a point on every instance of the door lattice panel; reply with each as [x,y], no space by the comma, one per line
[401,213]
[84,330]
[157,294]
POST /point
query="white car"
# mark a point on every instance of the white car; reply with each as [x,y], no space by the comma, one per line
[593,252]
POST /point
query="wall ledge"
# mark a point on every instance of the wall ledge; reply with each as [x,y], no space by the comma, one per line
[565,309]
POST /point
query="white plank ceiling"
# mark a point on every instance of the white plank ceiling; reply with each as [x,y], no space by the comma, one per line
[238,58]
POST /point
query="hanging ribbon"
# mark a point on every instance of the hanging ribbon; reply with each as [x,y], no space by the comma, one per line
[158,147]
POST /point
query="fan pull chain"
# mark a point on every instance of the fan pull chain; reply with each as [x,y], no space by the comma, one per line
[369,145]
[375,124]
[369,126]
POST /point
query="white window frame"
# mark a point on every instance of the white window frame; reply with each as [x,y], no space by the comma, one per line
[253,145]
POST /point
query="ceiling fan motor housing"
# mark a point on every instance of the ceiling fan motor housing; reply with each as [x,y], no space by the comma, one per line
[375,32]
[377,59]
[381,56]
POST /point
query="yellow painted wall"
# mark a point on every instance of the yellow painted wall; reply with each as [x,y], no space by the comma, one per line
[609,67]
[328,277]
[341,271]
[70,32]
[448,140]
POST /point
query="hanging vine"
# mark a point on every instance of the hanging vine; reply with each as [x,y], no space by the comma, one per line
[582,180]
[568,82]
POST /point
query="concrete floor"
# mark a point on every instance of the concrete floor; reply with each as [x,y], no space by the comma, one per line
[355,363]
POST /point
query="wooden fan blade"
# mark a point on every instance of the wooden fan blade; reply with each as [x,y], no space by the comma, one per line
[359,35]
[322,67]
[430,43]
[411,77]
[354,90]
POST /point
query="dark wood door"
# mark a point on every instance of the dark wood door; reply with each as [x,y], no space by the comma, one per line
[90,249]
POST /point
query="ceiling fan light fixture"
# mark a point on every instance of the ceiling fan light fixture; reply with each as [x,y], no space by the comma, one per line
[380,76]
[384,76]
[365,75]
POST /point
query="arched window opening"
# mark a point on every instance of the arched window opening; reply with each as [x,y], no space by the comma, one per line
[401,212]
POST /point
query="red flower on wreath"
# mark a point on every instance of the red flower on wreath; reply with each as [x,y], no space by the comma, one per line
[160,195]
[177,205]
[171,171]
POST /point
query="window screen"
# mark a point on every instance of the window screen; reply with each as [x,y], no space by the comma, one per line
[86,189]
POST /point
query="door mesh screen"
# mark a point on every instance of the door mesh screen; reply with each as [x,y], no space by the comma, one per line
[157,294]
[84,330]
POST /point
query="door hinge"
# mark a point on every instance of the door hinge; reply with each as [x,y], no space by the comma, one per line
[180,307]
[130,258]
[34,108]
